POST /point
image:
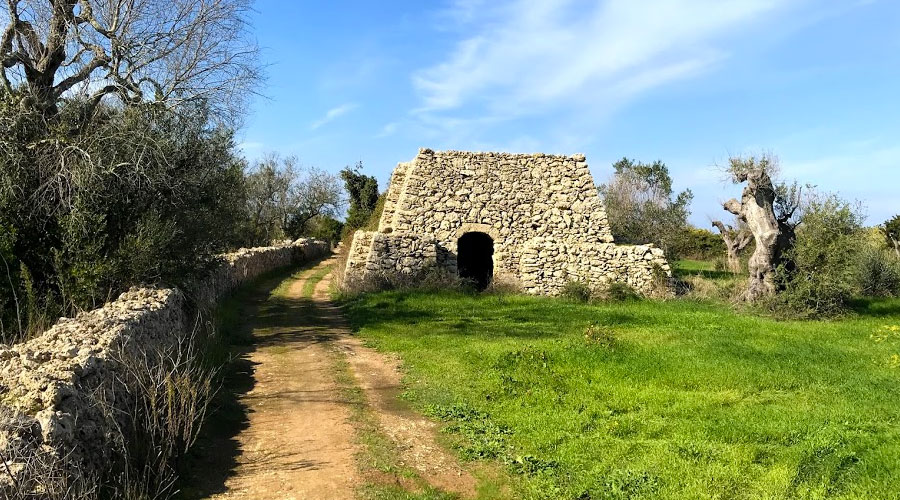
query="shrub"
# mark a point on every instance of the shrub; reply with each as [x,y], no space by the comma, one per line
[818,278]
[505,284]
[139,194]
[578,291]
[700,287]
[700,244]
[168,392]
[720,265]
[618,292]
[878,273]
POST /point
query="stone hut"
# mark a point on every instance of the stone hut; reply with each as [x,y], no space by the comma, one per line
[533,218]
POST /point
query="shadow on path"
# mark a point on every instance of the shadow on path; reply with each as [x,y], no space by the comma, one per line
[253,318]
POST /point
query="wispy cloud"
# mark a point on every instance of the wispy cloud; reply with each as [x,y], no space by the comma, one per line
[333,114]
[527,57]
[387,130]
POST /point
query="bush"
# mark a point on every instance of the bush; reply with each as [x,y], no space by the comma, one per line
[699,244]
[819,277]
[700,287]
[618,292]
[169,391]
[878,273]
[138,195]
[577,291]
[505,284]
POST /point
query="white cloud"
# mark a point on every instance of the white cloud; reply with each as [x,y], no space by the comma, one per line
[333,114]
[388,130]
[526,57]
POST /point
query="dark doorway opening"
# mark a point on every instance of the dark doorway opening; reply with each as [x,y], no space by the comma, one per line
[475,258]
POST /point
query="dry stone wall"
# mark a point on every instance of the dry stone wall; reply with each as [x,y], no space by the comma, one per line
[543,213]
[50,385]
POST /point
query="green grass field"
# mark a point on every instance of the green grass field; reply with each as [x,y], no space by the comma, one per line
[677,399]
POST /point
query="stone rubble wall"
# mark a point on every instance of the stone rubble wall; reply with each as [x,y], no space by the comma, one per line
[522,201]
[394,192]
[547,265]
[48,385]
[358,257]
[400,253]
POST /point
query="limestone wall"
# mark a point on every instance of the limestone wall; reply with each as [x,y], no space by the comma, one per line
[547,265]
[49,385]
[523,202]
[511,197]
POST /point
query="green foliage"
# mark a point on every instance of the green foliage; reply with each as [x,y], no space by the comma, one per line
[484,438]
[137,194]
[578,291]
[878,272]
[819,277]
[619,292]
[375,217]
[642,207]
[695,400]
[324,228]
[892,230]
[700,244]
[363,192]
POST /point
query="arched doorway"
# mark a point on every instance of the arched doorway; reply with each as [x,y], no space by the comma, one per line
[475,258]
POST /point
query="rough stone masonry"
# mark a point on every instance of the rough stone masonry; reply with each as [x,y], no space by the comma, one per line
[52,386]
[540,218]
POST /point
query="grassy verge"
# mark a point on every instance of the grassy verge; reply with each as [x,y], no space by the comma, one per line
[679,399]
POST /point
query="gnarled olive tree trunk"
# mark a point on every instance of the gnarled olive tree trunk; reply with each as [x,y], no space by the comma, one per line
[773,233]
[736,240]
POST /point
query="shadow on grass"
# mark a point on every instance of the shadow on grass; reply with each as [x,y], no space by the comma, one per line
[713,275]
[251,318]
[876,307]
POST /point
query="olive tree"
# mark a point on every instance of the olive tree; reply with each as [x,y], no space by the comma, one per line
[161,51]
[736,239]
[282,198]
[770,212]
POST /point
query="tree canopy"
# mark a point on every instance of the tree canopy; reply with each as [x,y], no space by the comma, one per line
[642,206]
[363,192]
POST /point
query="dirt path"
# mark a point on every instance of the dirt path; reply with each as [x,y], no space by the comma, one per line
[298,424]
[413,435]
[298,442]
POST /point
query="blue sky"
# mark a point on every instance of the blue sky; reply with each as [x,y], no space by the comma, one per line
[689,82]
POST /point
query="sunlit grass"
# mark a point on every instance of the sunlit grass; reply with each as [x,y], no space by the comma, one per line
[682,399]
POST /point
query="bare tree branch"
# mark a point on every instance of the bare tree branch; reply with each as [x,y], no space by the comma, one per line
[173,51]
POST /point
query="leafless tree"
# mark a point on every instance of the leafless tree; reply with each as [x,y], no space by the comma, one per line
[736,240]
[170,51]
[318,194]
[283,197]
[769,211]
